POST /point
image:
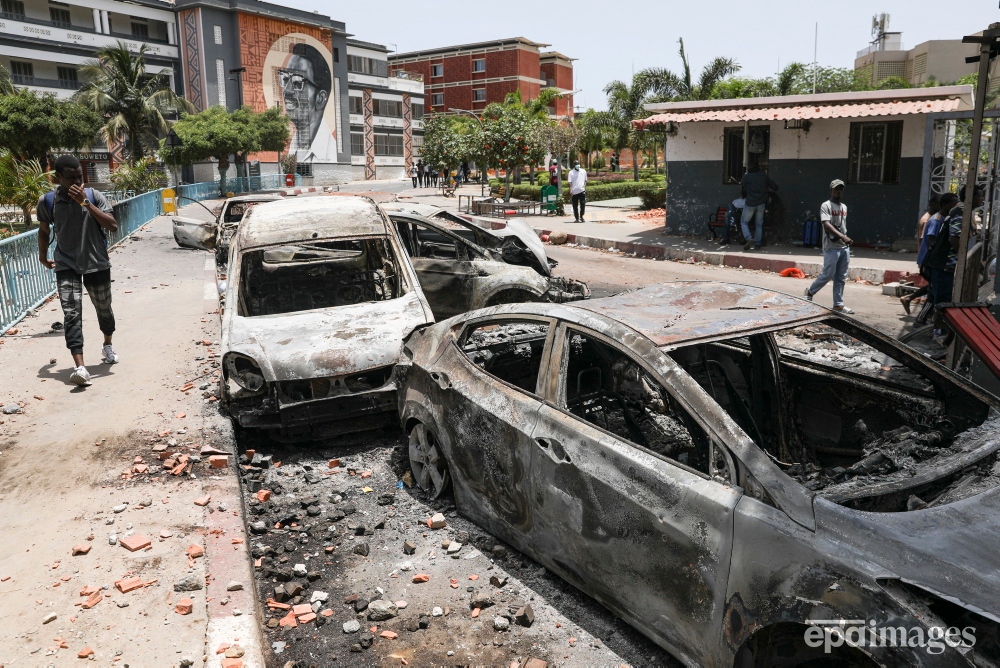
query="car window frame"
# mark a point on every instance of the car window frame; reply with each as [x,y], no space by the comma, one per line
[474,249]
[473,323]
[235,276]
[555,397]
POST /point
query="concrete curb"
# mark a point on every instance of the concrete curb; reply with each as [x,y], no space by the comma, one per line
[736,260]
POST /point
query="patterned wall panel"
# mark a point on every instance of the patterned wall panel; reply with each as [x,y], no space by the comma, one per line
[407,133]
[193,57]
[369,134]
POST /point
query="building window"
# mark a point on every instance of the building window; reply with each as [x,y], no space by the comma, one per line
[217,33]
[876,149]
[437,100]
[22,73]
[357,105]
[304,168]
[888,69]
[220,80]
[362,65]
[12,9]
[336,55]
[140,30]
[479,65]
[389,145]
[60,17]
[417,109]
[478,94]
[437,70]
[90,171]
[920,65]
[357,143]
[390,108]
[732,152]
[68,77]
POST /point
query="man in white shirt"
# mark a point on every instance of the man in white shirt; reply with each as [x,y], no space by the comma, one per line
[836,247]
[578,191]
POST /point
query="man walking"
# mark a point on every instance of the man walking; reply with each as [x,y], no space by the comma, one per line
[578,191]
[836,247]
[754,185]
[79,217]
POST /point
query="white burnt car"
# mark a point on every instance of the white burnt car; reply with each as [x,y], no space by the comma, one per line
[320,295]
[746,477]
[200,234]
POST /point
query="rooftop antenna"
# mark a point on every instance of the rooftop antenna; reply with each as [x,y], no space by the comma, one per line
[815,58]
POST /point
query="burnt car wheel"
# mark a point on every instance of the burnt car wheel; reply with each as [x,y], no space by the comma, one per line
[426,461]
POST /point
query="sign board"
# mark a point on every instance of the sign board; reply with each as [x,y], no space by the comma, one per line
[169,200]
[98,156]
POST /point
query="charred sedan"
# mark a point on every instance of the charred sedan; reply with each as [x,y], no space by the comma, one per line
[216,234]
[319,298]
[747,478]
[457,275]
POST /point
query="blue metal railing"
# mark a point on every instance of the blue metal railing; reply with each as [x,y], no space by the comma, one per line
[25,283]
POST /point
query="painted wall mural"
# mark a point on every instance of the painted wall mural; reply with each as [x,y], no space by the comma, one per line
[292,68]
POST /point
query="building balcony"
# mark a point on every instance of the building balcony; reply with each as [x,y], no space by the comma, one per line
[40,82]
[19,25]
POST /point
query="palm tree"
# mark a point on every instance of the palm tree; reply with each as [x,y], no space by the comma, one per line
[672,87]
[537,109]
[133,103]
[22,184]
[6,84]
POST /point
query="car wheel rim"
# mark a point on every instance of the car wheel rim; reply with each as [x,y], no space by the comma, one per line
[428,465]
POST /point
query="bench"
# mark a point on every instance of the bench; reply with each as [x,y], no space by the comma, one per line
[717,222]
[500,209]
[978,328]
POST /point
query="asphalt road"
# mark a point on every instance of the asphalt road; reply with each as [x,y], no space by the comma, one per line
[609,273]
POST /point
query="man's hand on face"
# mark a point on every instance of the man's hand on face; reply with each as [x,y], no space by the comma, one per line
[76,193]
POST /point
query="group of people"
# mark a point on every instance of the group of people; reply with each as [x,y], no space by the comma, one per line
[938,232]
[423,176]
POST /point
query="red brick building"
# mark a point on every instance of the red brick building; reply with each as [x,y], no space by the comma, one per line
[471,76]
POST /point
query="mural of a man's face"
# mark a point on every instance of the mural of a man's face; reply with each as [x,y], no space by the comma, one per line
[305,99]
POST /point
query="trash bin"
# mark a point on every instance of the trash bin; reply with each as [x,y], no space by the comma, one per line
[550,195]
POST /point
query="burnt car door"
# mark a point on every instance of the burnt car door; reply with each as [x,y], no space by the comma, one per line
[490,411]
[444,265]
[194,233]
[633,496]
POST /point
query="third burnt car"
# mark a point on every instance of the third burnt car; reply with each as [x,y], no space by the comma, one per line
[724,467]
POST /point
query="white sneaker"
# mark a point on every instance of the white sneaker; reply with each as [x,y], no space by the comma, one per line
[80,376]
[110,356]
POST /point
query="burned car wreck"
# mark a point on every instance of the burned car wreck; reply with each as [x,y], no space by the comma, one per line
[515,244]
[458,275]
[216,234]
[319,298]
[739,474]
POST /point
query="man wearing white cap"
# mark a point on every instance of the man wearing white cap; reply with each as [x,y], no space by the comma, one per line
[836,247]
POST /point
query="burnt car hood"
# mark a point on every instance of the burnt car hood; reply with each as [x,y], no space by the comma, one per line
[523,232]
[327,342]
[950,550]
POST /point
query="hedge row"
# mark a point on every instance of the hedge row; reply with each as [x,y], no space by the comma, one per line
[595,193]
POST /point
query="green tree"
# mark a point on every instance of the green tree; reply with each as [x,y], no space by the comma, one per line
[538,110]
[22,183]
[829,80]
[594,137]
[135,104]
[139,177]
[667,85]
[509,136]
[447,140]
[32,125]
[206,135]
[6,84]
[265,131]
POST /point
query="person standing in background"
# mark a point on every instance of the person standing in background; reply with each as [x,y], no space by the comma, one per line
[755,186]
[933,212]
[578,191]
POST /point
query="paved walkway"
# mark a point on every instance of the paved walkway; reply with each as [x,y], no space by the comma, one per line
[609,227]
[80,464]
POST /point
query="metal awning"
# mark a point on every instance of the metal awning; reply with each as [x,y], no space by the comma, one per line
[811,107]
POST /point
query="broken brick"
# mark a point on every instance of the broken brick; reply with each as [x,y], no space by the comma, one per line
[140,468]
[135,542]
[125,586]
[90,589]
[84,653]
[333,463]
[437,521]
[81,548]
[218,461]
[389,635]
[203,501]
[475,612]
[222,648]
[301,609]
[184,606]
[181,416]
[263,495]
[195,551]
[421,577]
[232,663]
[327,613]
[94,599]
[306,618]
[289,620]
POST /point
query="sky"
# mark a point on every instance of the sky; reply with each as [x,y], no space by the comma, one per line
[610,40]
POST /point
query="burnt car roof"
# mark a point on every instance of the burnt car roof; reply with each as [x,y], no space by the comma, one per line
[673,313]
[309,218]
[260,197]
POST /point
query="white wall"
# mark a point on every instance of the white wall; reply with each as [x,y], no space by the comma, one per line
[826,139]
